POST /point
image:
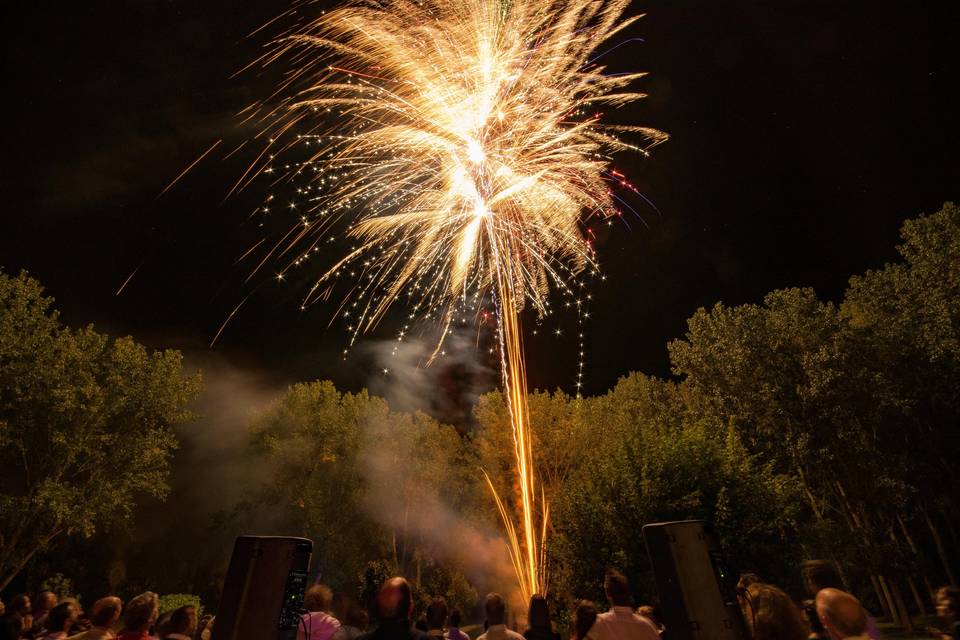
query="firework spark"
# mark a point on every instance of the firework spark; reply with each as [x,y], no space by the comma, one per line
[461,142]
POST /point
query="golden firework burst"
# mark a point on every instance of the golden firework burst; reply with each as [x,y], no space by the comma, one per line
[462,142]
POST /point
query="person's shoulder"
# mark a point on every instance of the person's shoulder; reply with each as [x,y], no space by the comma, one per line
[602,620]
[513,634]
[644,620]
[330,620]
[647,624]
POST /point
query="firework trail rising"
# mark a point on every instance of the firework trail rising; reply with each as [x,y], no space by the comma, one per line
[460,142]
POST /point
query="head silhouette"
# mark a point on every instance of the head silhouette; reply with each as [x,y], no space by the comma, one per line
[617,587]
[584,618]
[820,574]
[495,609]
[538,617]
[437,613]
[395,600]
[841,613]
[141,612]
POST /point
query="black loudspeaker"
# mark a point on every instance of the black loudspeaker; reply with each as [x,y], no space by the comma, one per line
[263,591]
[698,598]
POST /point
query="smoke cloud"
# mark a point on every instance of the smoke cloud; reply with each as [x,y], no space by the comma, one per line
[448,389]
[215,468]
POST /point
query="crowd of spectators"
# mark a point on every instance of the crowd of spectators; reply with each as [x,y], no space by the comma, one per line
[47,617]
[768,613]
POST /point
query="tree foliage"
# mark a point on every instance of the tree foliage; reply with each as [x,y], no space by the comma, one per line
[367,484]
[170,602]
[907,320]
[799,427]
[858,402]
[636,456]
[85,424]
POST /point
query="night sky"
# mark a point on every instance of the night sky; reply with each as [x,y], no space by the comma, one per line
[802,134]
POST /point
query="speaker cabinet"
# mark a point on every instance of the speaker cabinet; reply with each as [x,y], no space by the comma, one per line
[264,588]
[697,591]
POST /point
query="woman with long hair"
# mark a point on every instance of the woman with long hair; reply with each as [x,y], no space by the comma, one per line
[538,620]
[770,614]
[583,619]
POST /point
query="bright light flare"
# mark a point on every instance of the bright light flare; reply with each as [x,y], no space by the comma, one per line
[461,141]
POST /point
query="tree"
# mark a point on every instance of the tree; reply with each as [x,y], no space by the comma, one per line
[86,424]
[372,487]
[556,423]
[646,458]
[640,454]
[769,369]
[907,317]
[860,402]
[916,301]
[906,320]
[789,378]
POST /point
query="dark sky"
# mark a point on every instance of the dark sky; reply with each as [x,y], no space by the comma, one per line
[802,134]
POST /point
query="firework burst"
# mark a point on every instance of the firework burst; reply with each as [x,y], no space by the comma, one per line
[461,143]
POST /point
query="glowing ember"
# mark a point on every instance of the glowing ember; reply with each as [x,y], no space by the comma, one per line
[461,142]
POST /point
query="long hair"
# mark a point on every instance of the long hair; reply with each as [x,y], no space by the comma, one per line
[539,614]
[584,618]
[772,615]
[319,597]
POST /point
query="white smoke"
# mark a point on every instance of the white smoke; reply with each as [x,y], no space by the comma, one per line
[449,387]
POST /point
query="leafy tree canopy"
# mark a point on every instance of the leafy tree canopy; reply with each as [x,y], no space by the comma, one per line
[86,424]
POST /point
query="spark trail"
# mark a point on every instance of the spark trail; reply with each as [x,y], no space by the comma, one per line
[461,144]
